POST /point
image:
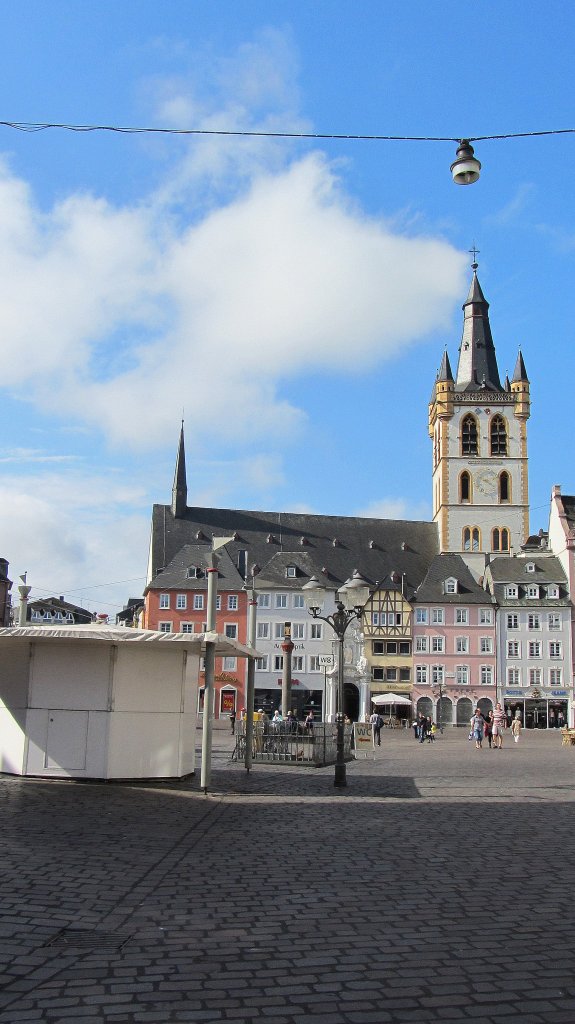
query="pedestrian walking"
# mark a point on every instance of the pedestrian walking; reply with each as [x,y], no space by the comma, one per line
[488,729]
[233,721]
[376,722]
[477,727]
[516,729]
[498,726]
[422,729]
[309,723]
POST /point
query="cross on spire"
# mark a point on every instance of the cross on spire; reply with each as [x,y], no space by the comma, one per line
[474,252]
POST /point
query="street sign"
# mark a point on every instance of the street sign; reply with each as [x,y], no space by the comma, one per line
[326,660]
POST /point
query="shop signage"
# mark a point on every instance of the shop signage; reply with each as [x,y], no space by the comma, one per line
[326,660]
[559,693]
[515,693]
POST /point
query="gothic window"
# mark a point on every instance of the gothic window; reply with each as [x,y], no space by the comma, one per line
[471,538]
[465,487]
[498,436]
[504,487]
[469,436]
[500,539]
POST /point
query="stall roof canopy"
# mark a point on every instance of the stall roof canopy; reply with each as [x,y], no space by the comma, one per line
[118,635]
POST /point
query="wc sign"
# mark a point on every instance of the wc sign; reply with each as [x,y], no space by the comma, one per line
[326,661]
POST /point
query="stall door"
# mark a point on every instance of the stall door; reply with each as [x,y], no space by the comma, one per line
[67,740]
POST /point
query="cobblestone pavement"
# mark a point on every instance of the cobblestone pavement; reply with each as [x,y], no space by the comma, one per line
[436,887]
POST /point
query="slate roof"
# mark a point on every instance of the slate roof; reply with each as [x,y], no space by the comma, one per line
[568,501]
[548,570]
[448,566]
[271,540]
[477,365]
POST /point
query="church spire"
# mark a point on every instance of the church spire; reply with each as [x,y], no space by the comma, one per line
[477,366]
[180,488]
[445,368]
[520,373]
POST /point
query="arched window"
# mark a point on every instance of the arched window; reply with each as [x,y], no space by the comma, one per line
[498,436]
[465,487]
[471,539]
[469,435]
[500,539]
[504,487]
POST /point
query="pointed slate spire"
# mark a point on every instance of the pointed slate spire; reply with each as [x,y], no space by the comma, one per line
[520,373]
[477,366]
[445,368]
[180,488]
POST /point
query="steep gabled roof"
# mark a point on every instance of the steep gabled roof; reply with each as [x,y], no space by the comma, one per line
[450,566]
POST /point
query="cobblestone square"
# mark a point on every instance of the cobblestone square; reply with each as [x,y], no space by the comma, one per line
[436,887]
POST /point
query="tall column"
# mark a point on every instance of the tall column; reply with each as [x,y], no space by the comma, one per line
[250,693]
[287,648]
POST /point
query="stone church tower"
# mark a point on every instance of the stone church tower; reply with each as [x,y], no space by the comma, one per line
[479,433]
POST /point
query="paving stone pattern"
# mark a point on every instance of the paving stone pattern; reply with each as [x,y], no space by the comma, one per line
[437,886]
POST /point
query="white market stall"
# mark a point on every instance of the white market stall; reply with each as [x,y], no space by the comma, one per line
[100,702]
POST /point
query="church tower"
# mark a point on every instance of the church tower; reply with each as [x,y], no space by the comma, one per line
[180,487]
[479,431]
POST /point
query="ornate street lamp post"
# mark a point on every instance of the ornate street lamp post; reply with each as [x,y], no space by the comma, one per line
[351,598]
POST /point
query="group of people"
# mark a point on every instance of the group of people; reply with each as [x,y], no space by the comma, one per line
[492,727]
[424,729]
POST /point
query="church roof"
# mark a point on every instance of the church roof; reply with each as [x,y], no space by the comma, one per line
[477,366]
[520,373]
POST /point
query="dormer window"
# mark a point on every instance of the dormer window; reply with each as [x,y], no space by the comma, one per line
[532,591]
[511,590]
[553,590]
[195,573]
[291,572]
[530,567]
[450,585]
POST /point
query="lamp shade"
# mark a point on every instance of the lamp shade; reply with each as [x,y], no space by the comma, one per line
[354,592]
[314,593]
[466,167]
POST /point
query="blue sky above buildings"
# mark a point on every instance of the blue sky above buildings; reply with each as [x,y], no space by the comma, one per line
[292,299]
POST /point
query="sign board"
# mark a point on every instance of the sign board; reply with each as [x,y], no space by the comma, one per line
[326,661]
[362,737]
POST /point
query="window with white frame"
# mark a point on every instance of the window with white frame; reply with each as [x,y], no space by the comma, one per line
[262,631]
[181,602]
[377,674]
[535,676]
[534,648]
[198,602]
[485,645]
[279,630]
[553,590]
[462,675]
[461,616]
[438,644]
[437,674]
[164,600]
[165,627]
[421,615]
[231,630]
[512,621]
[514,677]
[230,664]
[195,573]
[298,601]
[375,618]
[298,631]
[421,644]
[530,567]
[218,602]
[421,675]
[532,591]
[450,586]
[232,602]
[554,621]
[281,600]
[511,590]
[314,665]
[391,675]
[187,627]
[485,616]
[264,600]
[461,644]
[291,572]
[297,663]
[534,621]
[555,677]
[316,630]
[437,616]
[486,675]
[262,663]
[513,649]
[555,649]
[278,662]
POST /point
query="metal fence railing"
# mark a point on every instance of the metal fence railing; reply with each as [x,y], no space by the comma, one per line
[275,744]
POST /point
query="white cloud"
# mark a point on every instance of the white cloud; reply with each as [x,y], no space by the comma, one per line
[396,508]
[77,535]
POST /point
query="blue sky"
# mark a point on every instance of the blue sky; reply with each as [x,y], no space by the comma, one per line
[291,299]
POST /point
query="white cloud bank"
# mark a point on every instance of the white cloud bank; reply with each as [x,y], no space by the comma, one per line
[118,318]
